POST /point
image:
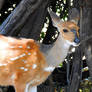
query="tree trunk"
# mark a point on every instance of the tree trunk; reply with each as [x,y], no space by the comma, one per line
[86,24]
[86,31]
[27,21]
[1,4]
[76,71]
[75,75]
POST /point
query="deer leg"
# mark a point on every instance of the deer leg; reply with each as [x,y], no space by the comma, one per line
[19,88]
[30,88]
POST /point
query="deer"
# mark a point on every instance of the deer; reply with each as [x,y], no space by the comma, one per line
[25,63]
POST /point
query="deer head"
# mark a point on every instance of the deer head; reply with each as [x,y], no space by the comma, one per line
[68,30]
[24,64]
[56,53]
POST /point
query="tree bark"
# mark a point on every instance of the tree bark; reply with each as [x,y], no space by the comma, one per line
[75,75]
[86,31]
[1,4]
[86,24]
[76,71]
[26,18]
[27,21]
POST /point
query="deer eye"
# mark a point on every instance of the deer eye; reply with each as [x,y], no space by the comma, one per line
[65,30]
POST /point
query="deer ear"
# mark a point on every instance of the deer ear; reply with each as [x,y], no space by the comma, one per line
[55,19]
[74,15]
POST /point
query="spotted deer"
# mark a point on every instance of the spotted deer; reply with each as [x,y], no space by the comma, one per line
[25,64]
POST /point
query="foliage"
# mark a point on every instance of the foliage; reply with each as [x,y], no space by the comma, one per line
[85,85]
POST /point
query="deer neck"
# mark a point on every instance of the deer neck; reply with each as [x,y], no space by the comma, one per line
[56,53]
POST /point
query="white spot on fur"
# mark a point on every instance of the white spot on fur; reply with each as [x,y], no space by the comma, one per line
[20,47]
[24,61]
[34,66]
[29,53]
[13,76]
[22,55]
[49,69]
[22,68]
[3,64]
[25,69]
[28,47]
[15,58]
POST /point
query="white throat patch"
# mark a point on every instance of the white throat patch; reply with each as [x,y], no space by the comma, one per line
[72,43]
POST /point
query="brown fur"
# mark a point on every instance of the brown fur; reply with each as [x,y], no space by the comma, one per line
[21,61]
[68,25]
[12,74]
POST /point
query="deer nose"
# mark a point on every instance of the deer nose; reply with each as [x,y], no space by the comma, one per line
[76,40]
